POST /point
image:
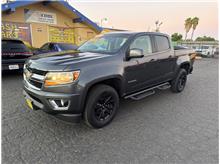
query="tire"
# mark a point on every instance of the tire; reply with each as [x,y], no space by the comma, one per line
[178,84]
[101,106]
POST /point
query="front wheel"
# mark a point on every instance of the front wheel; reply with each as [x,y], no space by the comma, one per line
[101,106]
[178,84]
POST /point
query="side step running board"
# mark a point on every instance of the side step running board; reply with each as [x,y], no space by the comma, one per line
[147,92]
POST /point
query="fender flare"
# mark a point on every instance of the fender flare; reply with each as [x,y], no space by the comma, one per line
[92,83]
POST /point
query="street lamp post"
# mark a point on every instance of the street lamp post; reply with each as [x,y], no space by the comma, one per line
[103,20]
[158,24]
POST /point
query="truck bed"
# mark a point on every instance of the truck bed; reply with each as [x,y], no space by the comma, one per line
[181,52]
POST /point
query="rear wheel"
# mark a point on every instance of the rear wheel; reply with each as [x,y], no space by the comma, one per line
[101,106]
[178,84]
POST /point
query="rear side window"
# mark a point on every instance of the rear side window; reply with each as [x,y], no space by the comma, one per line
[162,43]
[10,46]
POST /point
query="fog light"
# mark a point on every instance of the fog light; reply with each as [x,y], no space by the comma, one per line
[60,104]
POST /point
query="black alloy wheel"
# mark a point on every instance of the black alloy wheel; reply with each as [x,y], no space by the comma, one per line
[178,84]
[182,81]
[104,106]
[101,106]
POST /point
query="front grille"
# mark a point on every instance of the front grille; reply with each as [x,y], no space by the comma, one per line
[40,72]
[33,77]
[35,83]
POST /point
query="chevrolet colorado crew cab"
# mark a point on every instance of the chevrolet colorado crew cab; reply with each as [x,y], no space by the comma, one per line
[88,83]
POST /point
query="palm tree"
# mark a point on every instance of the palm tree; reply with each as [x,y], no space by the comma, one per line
[188,25]
[195,22]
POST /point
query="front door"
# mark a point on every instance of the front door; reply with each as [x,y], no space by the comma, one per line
[141,72]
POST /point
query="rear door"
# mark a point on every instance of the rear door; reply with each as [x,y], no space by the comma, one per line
[166,58]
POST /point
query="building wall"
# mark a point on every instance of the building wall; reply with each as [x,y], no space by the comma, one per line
[40,31]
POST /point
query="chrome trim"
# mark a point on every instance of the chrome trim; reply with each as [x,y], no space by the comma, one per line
[30,85]
[56,107]
[33,77]
[38,77]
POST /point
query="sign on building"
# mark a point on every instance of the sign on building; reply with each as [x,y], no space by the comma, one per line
[14,30]
[60,34]
[40,17]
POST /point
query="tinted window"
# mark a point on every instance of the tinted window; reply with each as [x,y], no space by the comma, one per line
[142,42]
[65,46]
[13,46]
[52,47]
[162,43]
[45,47]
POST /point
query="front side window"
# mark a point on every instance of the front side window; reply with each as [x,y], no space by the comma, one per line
[143,43]
[162,43]
[104,44]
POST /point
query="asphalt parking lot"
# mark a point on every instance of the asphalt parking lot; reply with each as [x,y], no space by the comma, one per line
[164,128]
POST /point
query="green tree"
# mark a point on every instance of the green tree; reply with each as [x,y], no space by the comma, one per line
[176,37]
[195,22]
[205,38]
[188,25]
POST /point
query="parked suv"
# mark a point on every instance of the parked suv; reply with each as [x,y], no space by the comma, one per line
[14,54]
[206,51]
[88,83]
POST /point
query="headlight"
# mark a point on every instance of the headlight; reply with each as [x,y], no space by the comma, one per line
[59,78]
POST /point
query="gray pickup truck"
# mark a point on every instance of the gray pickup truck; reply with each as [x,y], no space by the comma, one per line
[88,83]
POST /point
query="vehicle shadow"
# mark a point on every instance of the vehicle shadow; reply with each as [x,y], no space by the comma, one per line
[9,74]
[127,109]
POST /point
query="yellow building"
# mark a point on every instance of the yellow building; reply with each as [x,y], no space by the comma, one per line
[38,22]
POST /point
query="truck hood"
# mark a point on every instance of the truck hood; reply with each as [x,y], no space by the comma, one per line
[58,61]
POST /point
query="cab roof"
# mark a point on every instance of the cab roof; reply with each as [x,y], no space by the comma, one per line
[135,33]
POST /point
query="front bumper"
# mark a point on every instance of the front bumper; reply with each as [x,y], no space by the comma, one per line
[40,101]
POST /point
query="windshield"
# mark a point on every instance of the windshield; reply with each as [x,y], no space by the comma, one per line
[104,44]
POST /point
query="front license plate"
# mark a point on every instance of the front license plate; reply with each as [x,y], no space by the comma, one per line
[12,67]
[29,103]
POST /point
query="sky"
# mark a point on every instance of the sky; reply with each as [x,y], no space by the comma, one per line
[140,15]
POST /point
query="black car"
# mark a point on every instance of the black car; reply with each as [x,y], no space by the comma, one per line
[14,54]
[55,47]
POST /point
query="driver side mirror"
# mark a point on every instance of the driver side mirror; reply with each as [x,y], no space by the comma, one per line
[135,53]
